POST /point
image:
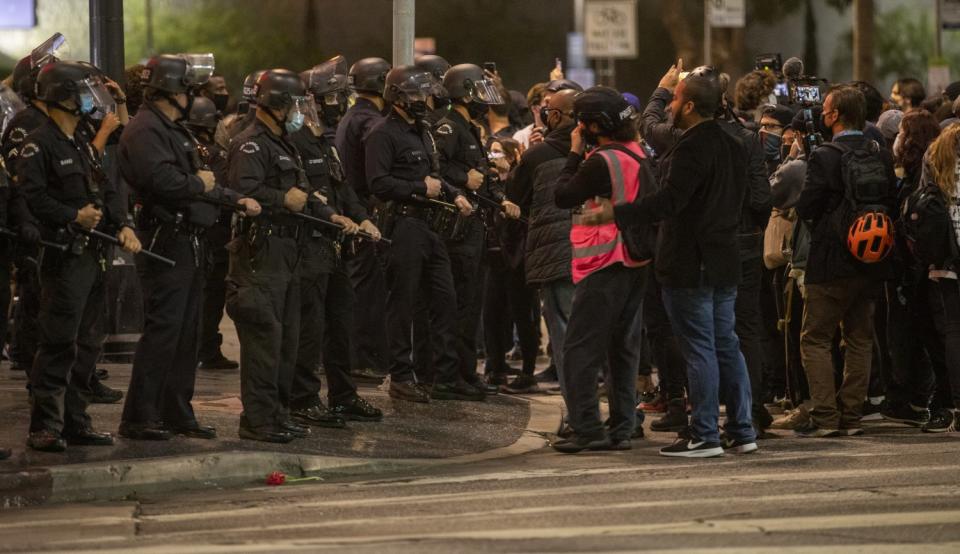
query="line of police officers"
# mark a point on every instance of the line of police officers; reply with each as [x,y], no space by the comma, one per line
[298,194]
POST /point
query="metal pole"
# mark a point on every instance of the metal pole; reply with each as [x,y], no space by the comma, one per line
[707,34]
[938,41]
[578,15]
[106,37]
[404,17]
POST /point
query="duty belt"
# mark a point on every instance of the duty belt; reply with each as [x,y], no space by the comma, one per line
[413,210]
[265,228]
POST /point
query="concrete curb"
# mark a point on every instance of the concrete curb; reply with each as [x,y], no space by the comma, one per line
[126,478]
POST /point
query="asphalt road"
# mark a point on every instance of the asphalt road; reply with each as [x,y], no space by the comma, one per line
[893,490]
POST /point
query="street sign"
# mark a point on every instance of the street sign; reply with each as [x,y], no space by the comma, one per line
[610,27]
[950,14]
[727,13]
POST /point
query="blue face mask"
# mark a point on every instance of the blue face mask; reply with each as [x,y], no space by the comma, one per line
[294,122]
[771,146]
[86,104]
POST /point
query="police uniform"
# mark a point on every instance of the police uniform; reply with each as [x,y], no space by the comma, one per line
[397,162]
[158,159]
[263,287]
[461,149]
[217,262]
[370,347]
[55,175]
[23,346]
[327,296]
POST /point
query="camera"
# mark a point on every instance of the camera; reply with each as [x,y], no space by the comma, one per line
[769,62]
[807,91]
[812,138]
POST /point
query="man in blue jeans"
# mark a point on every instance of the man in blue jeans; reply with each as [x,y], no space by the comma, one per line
[698,204]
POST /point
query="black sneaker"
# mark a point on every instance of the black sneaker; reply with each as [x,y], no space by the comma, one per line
[102,394]
[575,443]
[478,382]
[810,430]
[318,415]
[523,384]
[218,363]
[357,409]
[497,379]
[871,411]
[457,390]
[649,396]
[548,375]
[944,421]
[409,390]
[692,447]
[907,414]
[739,446]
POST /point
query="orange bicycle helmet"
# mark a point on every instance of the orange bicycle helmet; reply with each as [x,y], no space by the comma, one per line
[870,238]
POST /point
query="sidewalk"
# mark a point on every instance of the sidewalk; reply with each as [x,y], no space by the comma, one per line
[410,434]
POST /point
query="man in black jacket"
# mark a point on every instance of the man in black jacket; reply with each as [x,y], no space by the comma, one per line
[698,204]
[753,219]
[840,290]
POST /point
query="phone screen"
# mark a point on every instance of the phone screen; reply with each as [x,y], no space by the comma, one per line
[808,93]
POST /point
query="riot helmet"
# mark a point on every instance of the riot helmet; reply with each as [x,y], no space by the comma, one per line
[468,85]
[409,87]
[328,84]
[59,82]
[178,73]
[369,75]
[437,67]
[281,90]
[203,116]
[10,104]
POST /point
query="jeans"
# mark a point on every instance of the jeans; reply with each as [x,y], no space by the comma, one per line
[557,297]
[605,328]
[703,319]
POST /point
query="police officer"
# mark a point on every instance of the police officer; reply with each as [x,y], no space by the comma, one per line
[159,160]
[55,172]
[203,122]
[263,286]
[369,358]
[463,162]
[400,169]
[437,67]
[327,297]
[23,347]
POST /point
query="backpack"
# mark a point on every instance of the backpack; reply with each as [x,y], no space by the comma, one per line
[927,227]
[641,239]
[865,186]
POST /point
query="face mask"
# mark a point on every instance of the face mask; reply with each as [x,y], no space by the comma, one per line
[825,130]
[294,122]
[220,101]
[771,146]
[477,110]
[588,136]
[86,104]
[784,151]
[441,103]
[418,109]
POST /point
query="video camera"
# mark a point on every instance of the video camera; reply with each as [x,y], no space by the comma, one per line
[807,91]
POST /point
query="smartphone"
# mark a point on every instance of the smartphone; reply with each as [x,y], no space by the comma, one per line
[490,66]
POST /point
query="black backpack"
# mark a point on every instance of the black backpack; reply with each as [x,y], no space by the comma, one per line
[927,228]
[865,185]
[640,239]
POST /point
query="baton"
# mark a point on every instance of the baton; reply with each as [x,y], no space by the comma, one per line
[494,204]
[114,240]
[317,220]
[12,234]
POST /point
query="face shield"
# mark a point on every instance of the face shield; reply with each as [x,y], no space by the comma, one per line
[199,68]
[10,104]
[94,99]
[485,92]
[303,111]
[52,49]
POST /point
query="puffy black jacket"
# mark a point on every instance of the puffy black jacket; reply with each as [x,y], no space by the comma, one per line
[548,247]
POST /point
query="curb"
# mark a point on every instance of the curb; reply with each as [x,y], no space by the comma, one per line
[128,478]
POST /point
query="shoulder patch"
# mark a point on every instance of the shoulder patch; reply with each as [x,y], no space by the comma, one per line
[29,150]
[445,129]
[17,135]
[249,147]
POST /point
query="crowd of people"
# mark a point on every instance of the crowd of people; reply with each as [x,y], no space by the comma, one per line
[763,247]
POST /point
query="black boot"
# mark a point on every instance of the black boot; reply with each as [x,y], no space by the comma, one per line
[675,420]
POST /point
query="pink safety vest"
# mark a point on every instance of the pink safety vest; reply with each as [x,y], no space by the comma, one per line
[598,246]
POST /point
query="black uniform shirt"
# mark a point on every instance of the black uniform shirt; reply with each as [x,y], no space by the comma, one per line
[351,136]
[321,161]
[158,159]
[21,124]
[265,166]
[461,149]
[55,175]
[397,161]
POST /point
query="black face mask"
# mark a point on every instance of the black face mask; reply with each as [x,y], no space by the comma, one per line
[784,152]
[477,110]
[418,109]
[331,114]
[221,101]
[441,103]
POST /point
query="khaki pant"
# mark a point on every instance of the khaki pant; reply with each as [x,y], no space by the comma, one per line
[848,303]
